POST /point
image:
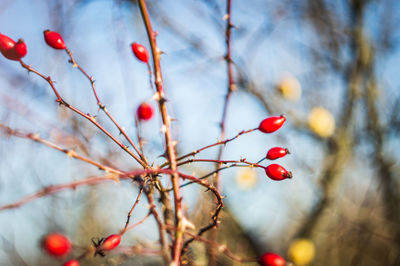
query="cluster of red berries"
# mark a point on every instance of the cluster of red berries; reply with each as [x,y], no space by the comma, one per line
[58,245]
[16,50]
[275,171]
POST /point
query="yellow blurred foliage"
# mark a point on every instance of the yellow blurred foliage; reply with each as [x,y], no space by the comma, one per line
[321,121]
[301,251]
[290,87]
[246,178]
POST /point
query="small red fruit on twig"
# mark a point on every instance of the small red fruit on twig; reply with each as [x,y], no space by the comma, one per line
[277,152]
[71,263]
[56,244]
[12,50]
[145,111]
[140,52]
[6,46]
[54,40]
[277,172]
[20,48]
[6,43]
[111,242]
[271,259]
[271,124]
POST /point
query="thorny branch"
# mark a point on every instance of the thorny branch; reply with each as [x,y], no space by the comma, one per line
[231,87]
[221,142]
[135,175]
[131,210]
[56,188]
[170,147]
[92,119]
[68,152]
[102,106]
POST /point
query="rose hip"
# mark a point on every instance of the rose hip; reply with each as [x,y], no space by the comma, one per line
[20,48]
[111,242]
[6,43]
[12,50]
[271,259]
[140,52]
[56,244]
[145,111]
[271,124]
[277,172]
[277,152]
[71,263]
[54,40]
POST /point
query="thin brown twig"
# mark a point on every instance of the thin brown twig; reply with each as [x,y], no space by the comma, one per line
[150,77]
[161,227]
[34,117]
[136,250]
[131,210]
[221,162]
[138,223]
[115,177]
[210,174]
[68,152]
[92,119]
[221,142]
[139,136]
[231,87]
[214,218]
[231,82]
[56,188]
[220,247]
[101,105]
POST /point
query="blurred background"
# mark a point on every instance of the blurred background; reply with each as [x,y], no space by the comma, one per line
[330,66]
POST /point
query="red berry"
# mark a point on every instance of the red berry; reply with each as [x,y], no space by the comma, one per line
[271,259]
[20,48]
[71,263]
[54,40]
[145,111]
[7,47]
[111,242]
[140,52]
[271,124]
[56,244]
[277,152]
[6,43]
[277,172]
